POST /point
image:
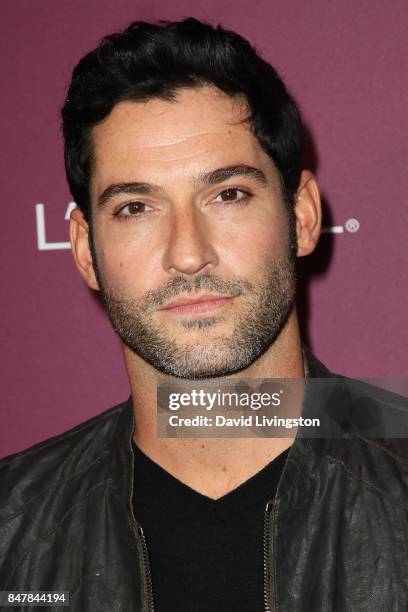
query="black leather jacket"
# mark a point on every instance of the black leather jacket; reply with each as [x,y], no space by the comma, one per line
[336,534]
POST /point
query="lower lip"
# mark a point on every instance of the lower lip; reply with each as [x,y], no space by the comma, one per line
[198,307]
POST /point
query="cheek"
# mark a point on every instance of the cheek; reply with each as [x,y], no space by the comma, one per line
[250,247]
[124,266]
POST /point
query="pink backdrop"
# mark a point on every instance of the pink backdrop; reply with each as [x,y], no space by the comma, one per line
[346,64]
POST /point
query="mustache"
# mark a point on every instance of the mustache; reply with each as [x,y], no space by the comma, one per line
[181,285]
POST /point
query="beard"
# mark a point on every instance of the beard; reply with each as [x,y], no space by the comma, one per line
[261,312]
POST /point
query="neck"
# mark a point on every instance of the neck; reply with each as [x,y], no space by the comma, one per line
[209,465]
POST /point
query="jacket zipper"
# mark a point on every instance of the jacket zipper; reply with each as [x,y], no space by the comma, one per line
[138,531]
[268,545]
[147,572]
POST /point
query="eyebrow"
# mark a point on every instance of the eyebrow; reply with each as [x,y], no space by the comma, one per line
[203,179]
[223,174]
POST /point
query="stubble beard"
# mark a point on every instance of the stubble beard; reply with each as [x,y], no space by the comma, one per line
[264,310]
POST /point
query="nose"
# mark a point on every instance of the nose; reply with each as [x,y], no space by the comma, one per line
[189,249]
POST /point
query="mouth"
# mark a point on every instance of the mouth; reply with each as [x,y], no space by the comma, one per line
[198,304]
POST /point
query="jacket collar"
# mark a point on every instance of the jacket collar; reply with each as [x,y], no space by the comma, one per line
[314,367]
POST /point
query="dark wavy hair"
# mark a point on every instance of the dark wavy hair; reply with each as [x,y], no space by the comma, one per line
[148,61]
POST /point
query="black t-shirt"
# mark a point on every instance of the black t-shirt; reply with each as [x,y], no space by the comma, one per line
[205,555]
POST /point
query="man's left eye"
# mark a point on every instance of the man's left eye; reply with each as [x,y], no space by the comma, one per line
[231,195]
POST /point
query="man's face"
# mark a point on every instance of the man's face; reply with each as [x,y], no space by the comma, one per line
[184,204]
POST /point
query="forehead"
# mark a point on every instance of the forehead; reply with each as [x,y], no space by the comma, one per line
[202,129]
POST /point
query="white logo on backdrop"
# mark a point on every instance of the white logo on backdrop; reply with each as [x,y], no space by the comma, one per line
[351,225]
[42,243]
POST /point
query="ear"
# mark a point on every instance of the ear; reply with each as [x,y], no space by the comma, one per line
[78,235]
[308,213]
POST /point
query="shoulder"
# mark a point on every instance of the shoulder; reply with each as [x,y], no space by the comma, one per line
[45,465]
[372,447]
[366,427]
[101,424]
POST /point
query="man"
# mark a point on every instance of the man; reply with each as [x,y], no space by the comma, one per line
[182,150]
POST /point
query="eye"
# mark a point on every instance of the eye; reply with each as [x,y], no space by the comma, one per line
[133,209]
[232,195]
